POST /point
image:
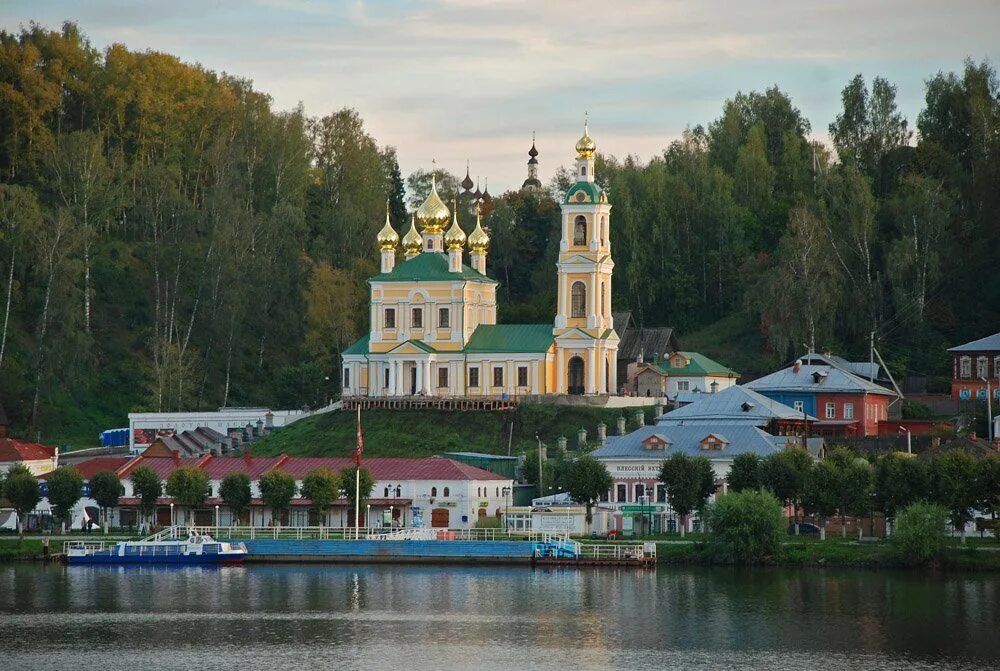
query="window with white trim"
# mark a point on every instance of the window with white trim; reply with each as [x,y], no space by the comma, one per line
[621,493]
[522,376]
[390,318]
[417,318]
[474,376]
[831,410]
[442,376]
[848,411]
[347,378]
[799,406]
[444,318]
[965,366]
[982,367]
[498,376]
[683,385]
[580,231]
[578,300]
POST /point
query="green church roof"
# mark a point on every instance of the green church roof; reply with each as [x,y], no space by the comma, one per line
[429,267]
[698,364]
[524,338]
[360,346]
[591,189]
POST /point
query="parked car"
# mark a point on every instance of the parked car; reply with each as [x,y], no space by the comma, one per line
[805,528]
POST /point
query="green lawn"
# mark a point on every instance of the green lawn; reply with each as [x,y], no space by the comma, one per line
[13,548]
[422,433]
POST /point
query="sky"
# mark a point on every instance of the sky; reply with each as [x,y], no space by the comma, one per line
[463,80]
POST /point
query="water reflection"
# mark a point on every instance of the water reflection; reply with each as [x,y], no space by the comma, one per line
[411,617]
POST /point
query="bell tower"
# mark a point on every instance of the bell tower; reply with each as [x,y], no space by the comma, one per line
[586,343]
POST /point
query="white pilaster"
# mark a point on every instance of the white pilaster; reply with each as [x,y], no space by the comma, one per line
[591,365]
[560,385]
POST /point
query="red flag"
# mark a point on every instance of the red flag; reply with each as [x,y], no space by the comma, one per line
[361,442]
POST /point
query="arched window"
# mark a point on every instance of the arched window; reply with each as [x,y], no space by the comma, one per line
[446,492]
[580,230]
[583,171]
[600,308]
[604,230]
[434,491]
[578,300]
[386,493]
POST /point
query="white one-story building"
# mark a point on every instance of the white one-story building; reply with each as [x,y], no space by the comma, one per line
[428,492]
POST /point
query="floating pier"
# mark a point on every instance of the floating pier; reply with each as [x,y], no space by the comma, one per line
[429,546]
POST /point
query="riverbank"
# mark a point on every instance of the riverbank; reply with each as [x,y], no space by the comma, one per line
[14,549]
[838,553]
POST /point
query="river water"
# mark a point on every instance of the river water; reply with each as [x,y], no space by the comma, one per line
[420,617]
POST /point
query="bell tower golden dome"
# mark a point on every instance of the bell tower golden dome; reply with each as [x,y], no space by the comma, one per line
[412,242]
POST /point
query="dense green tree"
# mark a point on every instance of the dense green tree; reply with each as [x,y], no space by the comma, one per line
[147,487]
[747,526]
[953,482]
[322,486]
[988,487]
[745,473]
[899,481]
[921,534]
[588,480]
[840,484]
[690,481]
[22,490]
[870,125]
[784,475]
[106,488]
[235,492]
[189,487]
[277,489]
[65,487]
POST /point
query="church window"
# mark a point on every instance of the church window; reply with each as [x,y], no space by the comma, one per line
[434,491]
[522,376]
[604,230]
[474,377]
[417,320]
[580,230]
[583,171]
[965,367]
[390,318]
[604,290]
[447,493]
[347,378]
[442,377]
[498,376]
[578,300]
[444,318]
[386,385]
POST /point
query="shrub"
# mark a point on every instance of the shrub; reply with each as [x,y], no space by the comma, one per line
[747,527]
[920,533]
[488,522]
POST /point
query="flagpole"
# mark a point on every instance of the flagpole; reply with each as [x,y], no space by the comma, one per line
[357,482]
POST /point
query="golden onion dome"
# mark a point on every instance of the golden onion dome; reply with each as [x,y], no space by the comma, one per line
[433,214]
[478,240]
[454,239]
[585,147]
[412,242]
[387,237]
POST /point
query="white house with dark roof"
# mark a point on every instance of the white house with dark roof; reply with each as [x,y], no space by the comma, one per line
[635,459]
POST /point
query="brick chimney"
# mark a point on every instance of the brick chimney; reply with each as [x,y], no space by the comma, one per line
[177,458]
[247,457]
[797,366]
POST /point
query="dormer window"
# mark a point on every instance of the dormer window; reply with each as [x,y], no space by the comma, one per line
[818,376]
[713,441]
[656,442]
[746,407]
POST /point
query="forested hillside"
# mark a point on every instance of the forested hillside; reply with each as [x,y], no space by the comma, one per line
[169,240]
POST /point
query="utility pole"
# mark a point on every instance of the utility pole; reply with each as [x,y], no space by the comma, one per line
[989,410]
[871,358]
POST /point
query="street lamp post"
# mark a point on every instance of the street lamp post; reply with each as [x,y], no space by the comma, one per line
[506,503]
[909,439]
[989,409]
[172,513]
[216,514]
[368,515]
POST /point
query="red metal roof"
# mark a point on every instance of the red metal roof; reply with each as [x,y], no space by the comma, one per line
[382,468]
[91,467]
[17,450]
[394,468]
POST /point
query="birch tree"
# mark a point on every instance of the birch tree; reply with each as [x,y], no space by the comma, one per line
[19,212]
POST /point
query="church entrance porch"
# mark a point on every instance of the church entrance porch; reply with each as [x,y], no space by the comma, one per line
[575,378]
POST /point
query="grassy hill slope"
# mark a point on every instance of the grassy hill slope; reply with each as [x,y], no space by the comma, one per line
[422,433]
[734,342]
